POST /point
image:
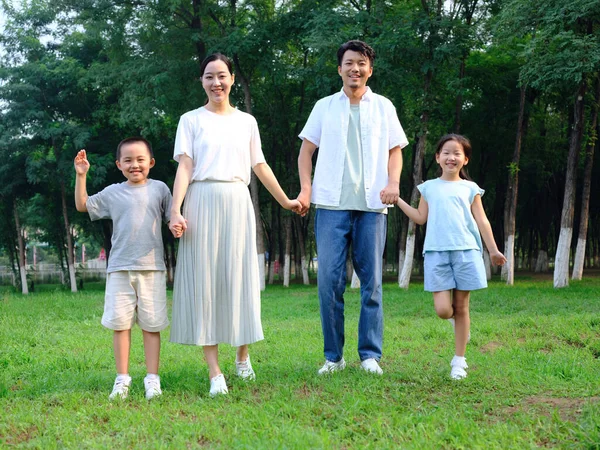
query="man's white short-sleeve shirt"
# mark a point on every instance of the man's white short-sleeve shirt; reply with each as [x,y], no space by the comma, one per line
[327,128]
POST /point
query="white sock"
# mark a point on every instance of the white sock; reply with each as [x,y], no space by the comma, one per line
[152,376]
[459,359]
[123,377]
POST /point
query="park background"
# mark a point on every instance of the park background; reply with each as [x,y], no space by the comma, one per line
[519,78]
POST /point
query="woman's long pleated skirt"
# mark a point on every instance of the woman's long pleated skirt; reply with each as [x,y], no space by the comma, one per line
[216,295]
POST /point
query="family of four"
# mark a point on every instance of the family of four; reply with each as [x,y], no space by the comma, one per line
[216,295]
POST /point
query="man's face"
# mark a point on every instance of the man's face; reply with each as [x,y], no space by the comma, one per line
[355,70]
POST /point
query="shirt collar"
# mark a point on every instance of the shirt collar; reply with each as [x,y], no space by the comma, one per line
[366,96]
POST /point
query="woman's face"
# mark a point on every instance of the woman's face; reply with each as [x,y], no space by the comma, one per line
[217,81]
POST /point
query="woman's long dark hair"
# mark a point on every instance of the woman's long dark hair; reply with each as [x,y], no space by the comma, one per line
[467,149]
[215,57]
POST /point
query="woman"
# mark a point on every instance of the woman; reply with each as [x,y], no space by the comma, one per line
[216,297]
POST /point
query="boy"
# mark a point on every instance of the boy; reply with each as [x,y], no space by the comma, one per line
[136,272]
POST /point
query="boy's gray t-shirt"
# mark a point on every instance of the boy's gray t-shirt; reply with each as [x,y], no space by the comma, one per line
[137,212]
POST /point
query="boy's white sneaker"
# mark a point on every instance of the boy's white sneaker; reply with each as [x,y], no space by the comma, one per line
[120,388]
[458,364]
[371,365]
[218,386]
[152,386]
[244,370]
[453,323]
[330,366]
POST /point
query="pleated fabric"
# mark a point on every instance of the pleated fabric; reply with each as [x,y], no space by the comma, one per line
[216,295]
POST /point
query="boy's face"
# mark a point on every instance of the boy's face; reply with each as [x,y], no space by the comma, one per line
[135,162]
[355,70]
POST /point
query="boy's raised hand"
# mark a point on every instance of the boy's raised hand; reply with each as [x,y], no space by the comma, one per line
[82,165]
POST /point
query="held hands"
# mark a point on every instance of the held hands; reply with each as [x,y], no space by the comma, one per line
[389,195]
[177,225]
[498,259]
[304,200]
[82,165]
[293,205]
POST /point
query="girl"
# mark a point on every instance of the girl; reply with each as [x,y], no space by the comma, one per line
[216,295]
[453,251]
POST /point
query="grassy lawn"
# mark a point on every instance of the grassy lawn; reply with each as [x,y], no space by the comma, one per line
[534,377]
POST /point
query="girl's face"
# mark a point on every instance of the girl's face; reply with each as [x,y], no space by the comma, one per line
[217,82]
[451,159]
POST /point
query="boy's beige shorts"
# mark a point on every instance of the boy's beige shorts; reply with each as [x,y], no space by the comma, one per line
[136,296]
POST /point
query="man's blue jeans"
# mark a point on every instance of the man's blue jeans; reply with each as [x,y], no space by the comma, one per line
[335,231]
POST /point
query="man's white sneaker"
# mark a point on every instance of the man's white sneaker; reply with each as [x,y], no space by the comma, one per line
[371,365]
[120,388]
[459,364]
[453,323]
[218,386]
[244,370]
[330,366]
[152,386]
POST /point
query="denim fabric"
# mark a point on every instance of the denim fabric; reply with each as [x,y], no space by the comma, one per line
[335,231]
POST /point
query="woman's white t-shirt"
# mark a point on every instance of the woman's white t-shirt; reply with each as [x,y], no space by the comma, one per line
[223,147]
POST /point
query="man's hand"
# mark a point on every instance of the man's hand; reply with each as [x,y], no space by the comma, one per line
[389,195]
[304,199]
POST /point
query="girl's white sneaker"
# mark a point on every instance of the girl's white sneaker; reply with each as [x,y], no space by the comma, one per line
[458,364]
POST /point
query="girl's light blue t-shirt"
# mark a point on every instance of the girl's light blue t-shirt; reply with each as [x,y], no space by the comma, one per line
[450,222]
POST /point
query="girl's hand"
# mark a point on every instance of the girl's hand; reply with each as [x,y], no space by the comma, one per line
[498,259]
[82,165]
[177,224]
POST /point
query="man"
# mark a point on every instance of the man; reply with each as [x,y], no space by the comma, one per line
[357,174]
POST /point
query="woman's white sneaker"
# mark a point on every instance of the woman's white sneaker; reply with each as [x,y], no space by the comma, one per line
[218,386]
[244,370]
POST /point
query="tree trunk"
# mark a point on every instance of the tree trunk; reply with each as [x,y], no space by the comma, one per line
[561,260]
[260,232]
[587,186]
[302,245]
[70,259]
[404,279]
[22,262]
[288,248]
[510,204]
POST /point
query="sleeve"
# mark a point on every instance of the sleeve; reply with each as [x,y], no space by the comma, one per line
[397,137]
[98,205]
[256,153]
[167,198]
[475,190]
[423,189]
[312,128]
[184,139]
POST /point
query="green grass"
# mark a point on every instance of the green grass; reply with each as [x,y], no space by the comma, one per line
[534,377]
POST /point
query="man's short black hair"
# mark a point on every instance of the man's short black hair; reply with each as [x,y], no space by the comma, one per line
[356,46]
[131,140]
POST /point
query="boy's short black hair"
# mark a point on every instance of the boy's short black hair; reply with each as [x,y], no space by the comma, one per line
[356,46]
[131,140]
